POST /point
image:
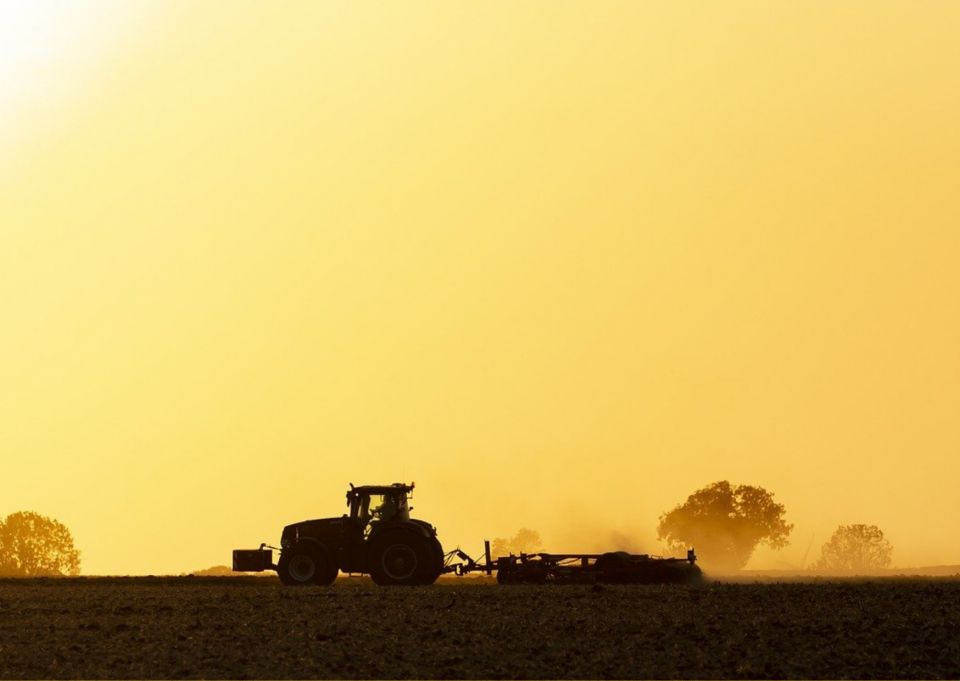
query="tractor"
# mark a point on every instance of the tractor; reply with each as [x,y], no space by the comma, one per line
[377,537]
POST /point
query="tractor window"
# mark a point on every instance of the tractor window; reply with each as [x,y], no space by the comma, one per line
[374,508]
[362,505]
[374,501]
[383,506]
[397,506]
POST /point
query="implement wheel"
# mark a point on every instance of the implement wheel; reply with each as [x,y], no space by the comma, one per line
[614,568]
[509,575]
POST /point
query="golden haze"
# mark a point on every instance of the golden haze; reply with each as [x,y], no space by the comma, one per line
[561,264]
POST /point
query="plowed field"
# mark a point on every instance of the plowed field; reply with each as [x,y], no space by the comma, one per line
[254,628]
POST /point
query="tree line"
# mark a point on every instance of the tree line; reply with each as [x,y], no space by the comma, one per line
[724,523]
[727,523]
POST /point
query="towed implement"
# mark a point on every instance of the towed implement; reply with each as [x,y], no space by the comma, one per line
[613,567]
[379,538]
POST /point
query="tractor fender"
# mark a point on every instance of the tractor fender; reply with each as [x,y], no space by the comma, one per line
[430,530]
[414,527]
[407,531]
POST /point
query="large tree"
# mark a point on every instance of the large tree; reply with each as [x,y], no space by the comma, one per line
[725,524]
[855,547]
[32,545]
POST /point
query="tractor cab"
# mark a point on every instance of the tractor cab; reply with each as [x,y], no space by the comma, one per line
[371,505]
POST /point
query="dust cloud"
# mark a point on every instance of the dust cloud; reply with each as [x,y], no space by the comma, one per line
[577,530]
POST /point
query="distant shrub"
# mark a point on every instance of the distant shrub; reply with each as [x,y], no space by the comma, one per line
[524,541]
[855,547]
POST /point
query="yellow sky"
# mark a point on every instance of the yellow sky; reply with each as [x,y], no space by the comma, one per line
[559,263]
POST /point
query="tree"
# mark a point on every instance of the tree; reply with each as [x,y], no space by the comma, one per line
[32,545]
[725,524]
[524,541]
[855,547]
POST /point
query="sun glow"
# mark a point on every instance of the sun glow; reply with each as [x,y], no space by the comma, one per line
[50,54]
[562,263]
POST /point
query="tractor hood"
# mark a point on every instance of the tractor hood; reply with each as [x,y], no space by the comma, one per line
[317,529]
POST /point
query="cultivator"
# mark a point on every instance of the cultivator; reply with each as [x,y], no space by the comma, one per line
[617,567]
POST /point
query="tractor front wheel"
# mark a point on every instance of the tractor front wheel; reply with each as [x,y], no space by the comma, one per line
[301,566]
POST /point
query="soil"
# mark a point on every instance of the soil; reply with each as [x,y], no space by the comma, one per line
[240,628]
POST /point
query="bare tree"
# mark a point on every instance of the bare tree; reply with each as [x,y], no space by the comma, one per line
[855,547]
[32,545]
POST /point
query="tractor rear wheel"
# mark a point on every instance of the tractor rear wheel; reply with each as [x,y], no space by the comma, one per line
[301,566]
[400,559]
